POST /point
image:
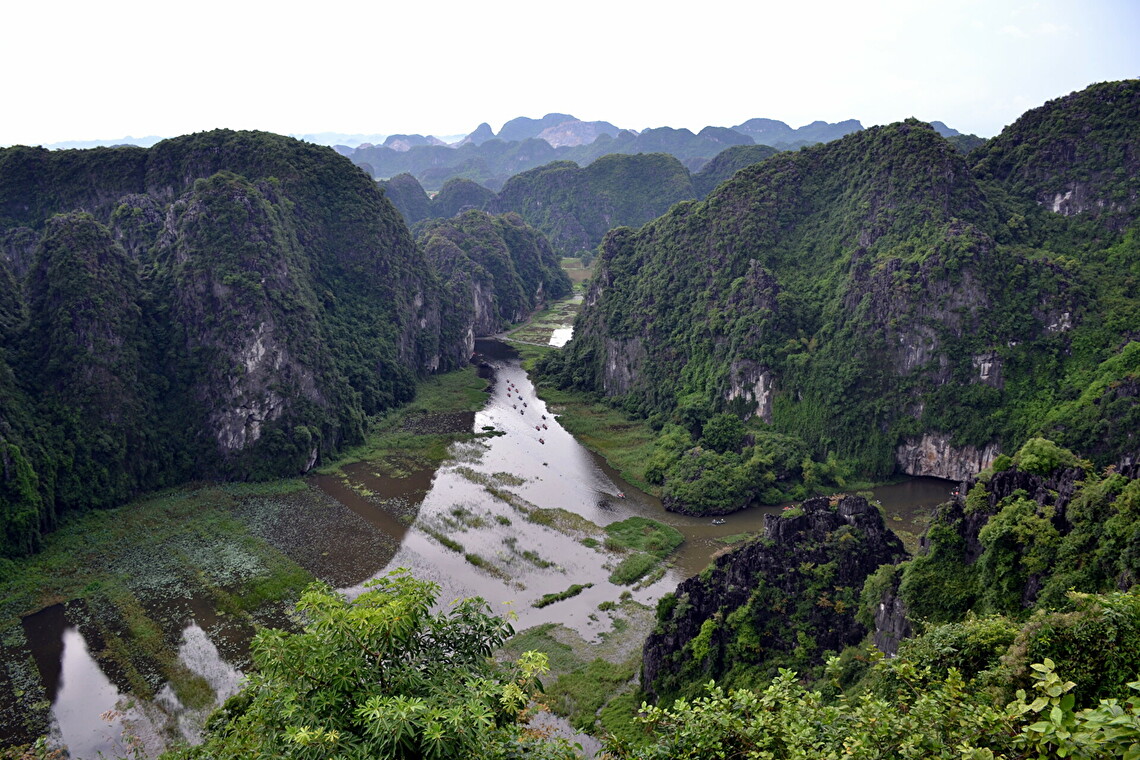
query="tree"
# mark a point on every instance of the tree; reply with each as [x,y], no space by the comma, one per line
[382,676]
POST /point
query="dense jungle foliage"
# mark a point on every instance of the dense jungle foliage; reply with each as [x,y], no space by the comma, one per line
[226,304]
[856,296]
[383,676]
[239,304]
[726,163]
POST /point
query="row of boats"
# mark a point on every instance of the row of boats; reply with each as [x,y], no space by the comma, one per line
[512,388]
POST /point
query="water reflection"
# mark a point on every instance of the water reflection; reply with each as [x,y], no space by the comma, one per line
[560,336]
[83,699]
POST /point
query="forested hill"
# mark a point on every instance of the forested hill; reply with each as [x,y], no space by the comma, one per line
[498,268]
[887,300]
[226,304]
[576,206]
[1079,154]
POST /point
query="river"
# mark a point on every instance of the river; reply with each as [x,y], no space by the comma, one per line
[509,517]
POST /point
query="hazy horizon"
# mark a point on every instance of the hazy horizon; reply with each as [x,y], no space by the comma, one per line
[356,68]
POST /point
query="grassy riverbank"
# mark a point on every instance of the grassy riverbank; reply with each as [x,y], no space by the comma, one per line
[422,431]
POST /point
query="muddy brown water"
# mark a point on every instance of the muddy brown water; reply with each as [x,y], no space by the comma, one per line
[476,526]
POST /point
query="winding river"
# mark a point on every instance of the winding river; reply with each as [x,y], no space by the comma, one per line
[509,517]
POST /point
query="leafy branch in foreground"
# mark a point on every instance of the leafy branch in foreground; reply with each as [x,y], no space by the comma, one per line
[382,676]
[928,718]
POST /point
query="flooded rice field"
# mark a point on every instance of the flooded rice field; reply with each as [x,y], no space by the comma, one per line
[514,515]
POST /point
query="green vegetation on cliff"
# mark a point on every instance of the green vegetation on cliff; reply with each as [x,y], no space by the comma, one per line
[860,295]
[1026,581]
[269,301]
[1074,155]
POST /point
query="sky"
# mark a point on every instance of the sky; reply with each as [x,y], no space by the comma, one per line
[103,69]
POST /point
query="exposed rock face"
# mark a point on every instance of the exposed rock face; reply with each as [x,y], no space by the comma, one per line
[933,456]
[719,293]
[624,358]
[482,134]
[254,374]
[571,133]
[523,127]
[753,384]
[404,143]
[755,598]
[1056,490]
[989,369]
[891,623]
[137,222]
[17,246]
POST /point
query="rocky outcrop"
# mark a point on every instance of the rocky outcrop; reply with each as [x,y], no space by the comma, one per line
[137,222]
[784,599]
[576,132]
[284,301]
[17,247]
[482,134]
[891,622]
[754,385]
[989,366]
[624,357]
[1056,490]
[932,455]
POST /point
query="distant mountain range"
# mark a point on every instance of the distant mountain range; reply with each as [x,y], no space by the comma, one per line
[558,129]
[523,143]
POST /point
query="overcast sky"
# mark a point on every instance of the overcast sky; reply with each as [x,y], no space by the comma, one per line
[101,70]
